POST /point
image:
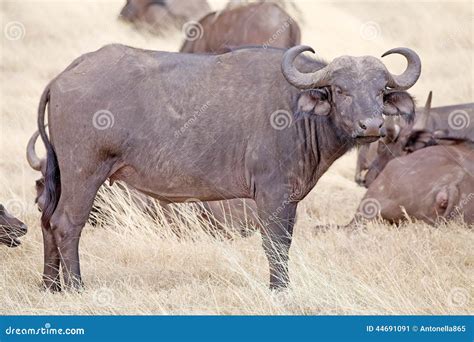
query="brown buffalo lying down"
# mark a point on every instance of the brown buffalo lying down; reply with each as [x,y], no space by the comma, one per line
[262,24]
[435,159]
[225,218]
[437,184]
[158,15]
[11,228]
[453,122]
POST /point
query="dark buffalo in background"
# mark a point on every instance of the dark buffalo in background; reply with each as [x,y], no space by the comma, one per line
[260,24]
[268,135]
[11,228]
[160,15]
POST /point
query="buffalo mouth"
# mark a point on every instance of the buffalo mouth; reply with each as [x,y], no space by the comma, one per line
[10,237]
[10,241]
[367,139]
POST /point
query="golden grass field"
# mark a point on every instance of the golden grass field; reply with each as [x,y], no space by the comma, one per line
[133,265]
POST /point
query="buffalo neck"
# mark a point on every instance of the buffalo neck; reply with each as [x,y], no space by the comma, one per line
[320,143]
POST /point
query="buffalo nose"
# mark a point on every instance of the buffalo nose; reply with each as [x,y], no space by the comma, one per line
[371,126]
[23,228]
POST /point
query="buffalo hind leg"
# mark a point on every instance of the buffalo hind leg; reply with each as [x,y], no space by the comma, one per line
[278,219]
[77,197]
[51,279]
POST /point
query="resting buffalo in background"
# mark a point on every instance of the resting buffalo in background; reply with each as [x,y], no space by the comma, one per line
[158,15]
[260,24]
[225,218]
[173,127]
[438,185]
[11,228]
[435,159]
[432,124]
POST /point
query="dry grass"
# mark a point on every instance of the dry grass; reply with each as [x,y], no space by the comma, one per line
[135,266]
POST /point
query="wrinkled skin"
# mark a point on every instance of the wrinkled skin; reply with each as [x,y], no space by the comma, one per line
[203,127]
[439,188]
[404,137]
[238,215]
[260,24]
[11,229]
[157,15]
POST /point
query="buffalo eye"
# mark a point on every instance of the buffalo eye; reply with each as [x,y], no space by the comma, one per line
[338,90]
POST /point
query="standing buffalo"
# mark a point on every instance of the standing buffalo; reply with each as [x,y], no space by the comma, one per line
[157,15]
[263,24]
[11,228]
[254,123]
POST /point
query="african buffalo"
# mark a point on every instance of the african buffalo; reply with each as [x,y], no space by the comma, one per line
[158,15]
[448,122]
[262,24]
[253,123]
[11,228]
[438,185]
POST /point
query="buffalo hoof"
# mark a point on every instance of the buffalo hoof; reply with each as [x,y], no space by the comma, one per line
[52,286]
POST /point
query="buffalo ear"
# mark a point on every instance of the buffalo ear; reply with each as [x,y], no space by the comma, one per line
[313,102]
[399,103]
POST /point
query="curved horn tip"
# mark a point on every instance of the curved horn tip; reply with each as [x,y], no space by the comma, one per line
[397,50]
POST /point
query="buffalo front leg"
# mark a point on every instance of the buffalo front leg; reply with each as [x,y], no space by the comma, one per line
[51,279]
[278,219]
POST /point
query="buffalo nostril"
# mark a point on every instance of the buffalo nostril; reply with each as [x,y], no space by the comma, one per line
[362,125]
[381,124]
